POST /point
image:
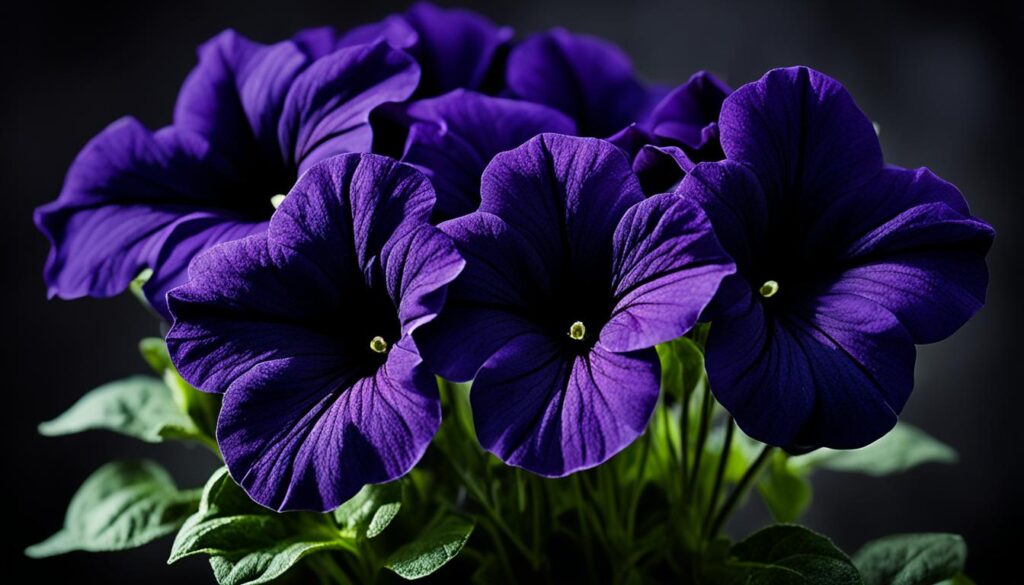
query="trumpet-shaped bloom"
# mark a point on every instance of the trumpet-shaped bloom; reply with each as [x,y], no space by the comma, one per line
[307,330]
[843,265]
[249,120]
[571,279]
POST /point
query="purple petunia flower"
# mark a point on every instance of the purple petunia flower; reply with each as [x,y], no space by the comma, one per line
[249,120]
[681,131]
[453,137]
[571,279]
[588,79]
[843,264]
[307,330]
[455,48]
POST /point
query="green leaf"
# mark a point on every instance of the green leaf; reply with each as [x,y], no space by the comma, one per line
[121,505]
[139,406]
[436,546]
[682,366]
[785,554]
[370,511]
[264,565]
[912,559]
[200,407]
[958,579]
[904,448]
[784,489]
[249,543]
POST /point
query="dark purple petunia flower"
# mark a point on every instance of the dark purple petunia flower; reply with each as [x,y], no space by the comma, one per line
[681,131]
[843,264]
[571,279]
[453,137]
[455,48]
[589,79]
[307,330]
[249,120]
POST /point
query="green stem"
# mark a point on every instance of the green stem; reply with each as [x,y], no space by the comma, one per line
[723,462]
[737,493]
[584,527]
[496,518]
[499,545]
[707,405]
[639,488]
[328,570]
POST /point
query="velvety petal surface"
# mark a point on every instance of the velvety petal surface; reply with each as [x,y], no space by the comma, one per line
[235,95]
[123,192]
[667,265]
[684,114]
[327,109]
[305,434]
[553,413]
[803,136]
[565,195]
[588,79]
[925,262]
[454,137]
[488,305]
[186,238]
[456,48]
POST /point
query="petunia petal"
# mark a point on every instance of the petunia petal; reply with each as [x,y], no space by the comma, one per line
[686,111]
[454,137]
[803,136]
[307,434]
[418,265]
[831,370]
[323,40]
[186,238]
[667,265]
[122,193]
[862,364]
[588,79]
[456,48]
[660,169]
[553,413]
[486,306]
[565,195]
[223,330]
[343,212]
[235,96]
[327,109]
[925,260]
[734,201]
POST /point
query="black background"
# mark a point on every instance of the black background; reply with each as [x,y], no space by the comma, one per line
[943,79]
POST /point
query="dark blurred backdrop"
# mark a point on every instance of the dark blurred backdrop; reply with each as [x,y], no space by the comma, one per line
[943,79]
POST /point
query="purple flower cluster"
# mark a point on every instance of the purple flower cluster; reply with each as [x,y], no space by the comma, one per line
[526,214]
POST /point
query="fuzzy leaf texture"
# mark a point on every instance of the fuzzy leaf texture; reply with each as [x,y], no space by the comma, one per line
[122,505]
[912,559]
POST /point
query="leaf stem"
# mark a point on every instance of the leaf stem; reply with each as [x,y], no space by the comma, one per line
[707,405]
[723,462]
[744,484]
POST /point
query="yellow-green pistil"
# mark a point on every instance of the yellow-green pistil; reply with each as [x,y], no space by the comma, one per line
[769,289]
[378,345]
[577,331]
[277,200]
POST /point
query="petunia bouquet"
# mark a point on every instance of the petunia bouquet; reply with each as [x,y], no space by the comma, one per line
[449,303]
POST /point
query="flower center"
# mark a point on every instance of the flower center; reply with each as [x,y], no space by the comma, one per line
[577,331]
[769,289]
[378,345]
[277,200]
